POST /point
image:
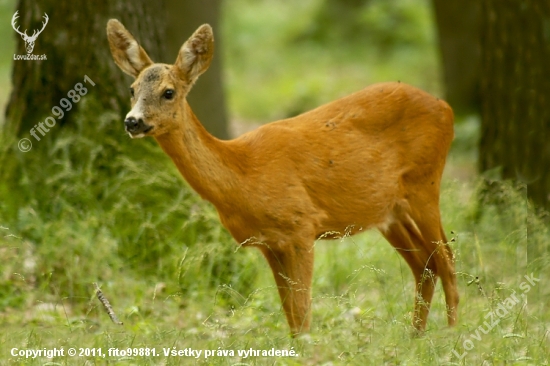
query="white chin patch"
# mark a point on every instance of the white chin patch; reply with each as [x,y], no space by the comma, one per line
[136,136]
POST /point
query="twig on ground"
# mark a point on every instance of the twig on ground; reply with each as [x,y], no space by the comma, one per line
[106,305]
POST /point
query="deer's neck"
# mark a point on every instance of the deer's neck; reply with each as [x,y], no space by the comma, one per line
[210,166]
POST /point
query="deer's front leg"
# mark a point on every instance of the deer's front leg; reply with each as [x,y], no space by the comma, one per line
[292,267]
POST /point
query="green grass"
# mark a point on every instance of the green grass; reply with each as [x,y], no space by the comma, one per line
[361,309]
[118,214]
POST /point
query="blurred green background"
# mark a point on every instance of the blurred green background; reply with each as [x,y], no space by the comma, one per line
[91,206]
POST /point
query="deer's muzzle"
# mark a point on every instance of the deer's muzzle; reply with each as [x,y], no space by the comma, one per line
[136,126]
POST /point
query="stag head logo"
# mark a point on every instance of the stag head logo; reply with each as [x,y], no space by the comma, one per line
[29,40]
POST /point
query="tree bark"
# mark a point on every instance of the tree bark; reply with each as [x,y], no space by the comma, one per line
[74,42]
[515,92]
[86,164]
[458,25]
[207,96]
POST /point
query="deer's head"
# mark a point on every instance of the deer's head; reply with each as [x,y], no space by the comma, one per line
[159,90]
[29,40]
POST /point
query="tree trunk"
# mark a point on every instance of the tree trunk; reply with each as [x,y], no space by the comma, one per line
[85,168]
[207,96]
[515,91]
[458,23]
[74,42]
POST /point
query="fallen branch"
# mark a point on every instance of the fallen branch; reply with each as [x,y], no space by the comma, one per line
[106,305]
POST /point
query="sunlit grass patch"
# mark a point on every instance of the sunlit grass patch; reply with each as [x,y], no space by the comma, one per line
[362,304]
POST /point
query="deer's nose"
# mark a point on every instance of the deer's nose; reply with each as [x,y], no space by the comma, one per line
[136,126]
[133,125]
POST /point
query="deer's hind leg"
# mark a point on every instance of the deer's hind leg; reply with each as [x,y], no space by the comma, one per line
[436,243]
[429,235]
[402,236]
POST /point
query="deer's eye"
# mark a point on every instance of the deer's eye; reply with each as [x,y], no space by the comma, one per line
[168,94]
[132,92]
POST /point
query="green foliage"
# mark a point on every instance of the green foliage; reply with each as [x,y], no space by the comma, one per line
[95,207]
[16,274]
[383,25]
[276,68]
[361,309]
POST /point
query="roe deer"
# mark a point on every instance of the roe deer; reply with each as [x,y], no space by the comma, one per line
[373,159]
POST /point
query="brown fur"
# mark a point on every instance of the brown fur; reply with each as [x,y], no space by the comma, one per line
[373,159]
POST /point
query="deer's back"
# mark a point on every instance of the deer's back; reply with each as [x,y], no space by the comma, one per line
[385,126]
[349,161]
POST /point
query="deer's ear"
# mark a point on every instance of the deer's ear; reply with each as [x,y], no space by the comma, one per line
[196,54]
[127,53]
